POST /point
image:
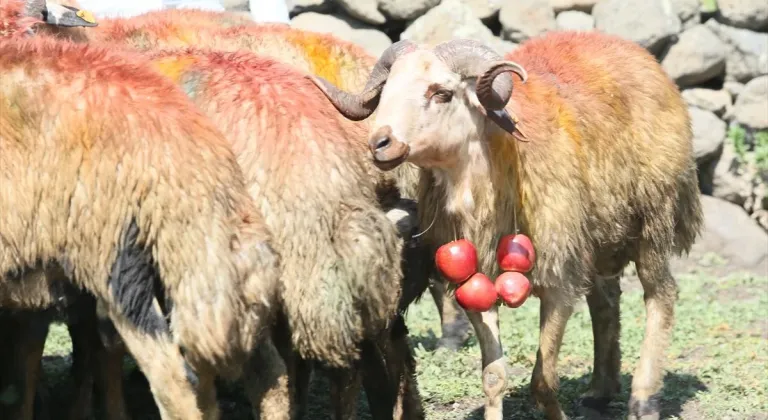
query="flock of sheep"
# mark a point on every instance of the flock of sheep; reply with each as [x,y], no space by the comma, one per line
[210,195]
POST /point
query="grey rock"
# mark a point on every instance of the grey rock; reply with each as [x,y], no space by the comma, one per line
[365,10]
[235,5]
[450,19]
[686,9]
[406,9]
[732,177]
[751,108]
[689,12]
[296,7]
[580,5]
[574,20]
[748,14]
[697,56]
[747,51]
[503,47]
[730,232]
[733,87]
[523,19]
[342,26]
[484,9]
[708,134]
[714,101]
[650,23]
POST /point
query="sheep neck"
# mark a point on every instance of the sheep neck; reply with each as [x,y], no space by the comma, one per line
[482,192]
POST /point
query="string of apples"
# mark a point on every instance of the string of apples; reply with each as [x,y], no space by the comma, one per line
[457,262]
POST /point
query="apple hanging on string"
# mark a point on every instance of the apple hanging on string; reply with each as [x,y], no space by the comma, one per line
[515,253]
[513,288]
[477,294]
[457,260]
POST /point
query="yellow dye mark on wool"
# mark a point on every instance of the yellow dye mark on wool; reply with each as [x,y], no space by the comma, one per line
[173,67]
[506,153]
[324,63]
[86,16]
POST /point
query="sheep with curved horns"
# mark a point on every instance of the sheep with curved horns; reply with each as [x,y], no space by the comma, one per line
[135,195]
[360,134]
[345,64]
[305,165]
[591,156]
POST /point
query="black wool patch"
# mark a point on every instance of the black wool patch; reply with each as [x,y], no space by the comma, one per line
[132,281]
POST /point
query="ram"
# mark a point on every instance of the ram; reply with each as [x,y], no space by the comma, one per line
[114,182]
[305,164]
[591,157]
[343,63]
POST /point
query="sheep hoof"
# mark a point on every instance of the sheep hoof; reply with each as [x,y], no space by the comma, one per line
[644,409]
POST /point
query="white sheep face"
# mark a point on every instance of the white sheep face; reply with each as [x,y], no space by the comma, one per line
[431,109]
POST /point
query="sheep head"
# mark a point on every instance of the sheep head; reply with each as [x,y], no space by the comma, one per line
[430,103]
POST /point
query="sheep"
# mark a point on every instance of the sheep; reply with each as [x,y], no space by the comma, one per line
[345,64]
[136,195]
[592,158]
[341,271]
[29,327]
[403,338]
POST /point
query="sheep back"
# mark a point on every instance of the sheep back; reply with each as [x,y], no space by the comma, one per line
[307,169]
[607,165]
[104,164]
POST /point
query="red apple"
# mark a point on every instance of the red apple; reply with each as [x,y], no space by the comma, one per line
[477,294]
[515,253]
[457,260]
[513,288]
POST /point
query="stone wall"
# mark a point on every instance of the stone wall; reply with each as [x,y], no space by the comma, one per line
[716,51]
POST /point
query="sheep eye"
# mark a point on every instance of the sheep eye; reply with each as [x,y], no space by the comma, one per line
[442,95]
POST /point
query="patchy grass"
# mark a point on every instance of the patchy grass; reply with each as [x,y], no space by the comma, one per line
[717,365]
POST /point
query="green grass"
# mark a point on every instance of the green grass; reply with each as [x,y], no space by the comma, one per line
[717,363]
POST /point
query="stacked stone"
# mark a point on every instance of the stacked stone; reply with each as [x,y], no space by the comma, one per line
[716,51]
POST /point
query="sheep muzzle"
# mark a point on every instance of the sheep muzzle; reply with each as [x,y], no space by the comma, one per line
[388,152]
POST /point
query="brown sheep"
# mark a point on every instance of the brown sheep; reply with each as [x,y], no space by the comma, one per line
[591,157]
[343,63]
[137,198]
[340,253]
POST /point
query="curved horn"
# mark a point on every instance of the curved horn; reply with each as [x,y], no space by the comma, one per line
[471,58]
[357,107]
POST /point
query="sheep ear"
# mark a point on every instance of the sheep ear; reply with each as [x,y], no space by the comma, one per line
[501,117]
[67,16]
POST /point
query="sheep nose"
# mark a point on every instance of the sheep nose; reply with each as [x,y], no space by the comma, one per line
[387,150]
[381,139]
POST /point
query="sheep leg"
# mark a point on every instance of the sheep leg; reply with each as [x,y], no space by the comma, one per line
[168,374]
[408,404]
[345,388]
[453,321]
[83,331]
[660,296]
[377,378]
[603,300]
[206,392]
[555,310]
[30,331]
[110,351]
[266,383]
[486,326]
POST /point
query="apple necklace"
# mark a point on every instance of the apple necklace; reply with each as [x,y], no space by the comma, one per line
[515,254]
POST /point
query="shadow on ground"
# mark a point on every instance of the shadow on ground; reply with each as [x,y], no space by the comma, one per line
[678,389]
